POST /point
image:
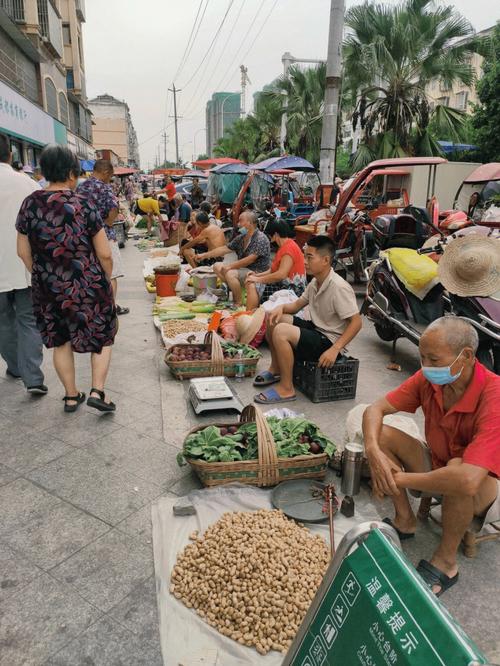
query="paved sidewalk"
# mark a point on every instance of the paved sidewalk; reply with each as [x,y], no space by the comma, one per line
[76,568]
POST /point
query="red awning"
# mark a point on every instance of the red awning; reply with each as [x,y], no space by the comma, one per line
[124,171]
[215,161]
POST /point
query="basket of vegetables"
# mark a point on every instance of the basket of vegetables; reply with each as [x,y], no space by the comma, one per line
[214,358]
[257,451]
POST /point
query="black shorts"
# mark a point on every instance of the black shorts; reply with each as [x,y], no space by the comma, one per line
[312,343]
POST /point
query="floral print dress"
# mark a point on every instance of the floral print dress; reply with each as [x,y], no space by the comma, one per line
[72,296]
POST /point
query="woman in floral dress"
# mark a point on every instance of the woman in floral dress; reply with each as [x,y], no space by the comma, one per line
[62,242]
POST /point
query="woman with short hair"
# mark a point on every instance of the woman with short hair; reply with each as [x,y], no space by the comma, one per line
[62,243]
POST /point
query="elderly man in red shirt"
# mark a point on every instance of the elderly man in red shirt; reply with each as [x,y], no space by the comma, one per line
[461,457]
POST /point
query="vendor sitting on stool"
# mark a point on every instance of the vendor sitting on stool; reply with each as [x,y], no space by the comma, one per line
[335,321]
[287,270]
[252,250]
[206,237]
[460,460]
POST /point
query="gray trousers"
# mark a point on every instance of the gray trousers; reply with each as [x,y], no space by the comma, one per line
[20,340]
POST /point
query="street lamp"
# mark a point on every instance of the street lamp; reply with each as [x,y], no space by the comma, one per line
[202,129]
[222,110]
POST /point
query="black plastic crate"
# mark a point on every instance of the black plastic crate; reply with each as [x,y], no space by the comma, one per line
[327,384]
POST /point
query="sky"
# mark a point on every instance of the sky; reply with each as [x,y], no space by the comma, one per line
[134,51]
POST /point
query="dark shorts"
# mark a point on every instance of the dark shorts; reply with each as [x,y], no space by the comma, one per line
[311,343]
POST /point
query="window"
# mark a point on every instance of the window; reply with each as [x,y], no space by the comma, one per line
[70,79]
[443,101]
[461,100]
[63,108]
[66,34]
[51,98]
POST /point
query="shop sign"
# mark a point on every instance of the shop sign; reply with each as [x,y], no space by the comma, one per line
[22,118]
[377,612]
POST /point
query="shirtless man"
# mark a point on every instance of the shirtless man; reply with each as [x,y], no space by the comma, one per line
[208,238]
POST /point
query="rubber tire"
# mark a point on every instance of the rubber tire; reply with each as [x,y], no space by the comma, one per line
[385,332]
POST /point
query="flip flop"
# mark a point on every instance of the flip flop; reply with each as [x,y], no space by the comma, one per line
[272,396]
[266,378]
[431,576]
[403,536]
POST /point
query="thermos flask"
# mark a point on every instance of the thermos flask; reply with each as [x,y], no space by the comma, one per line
[352,460]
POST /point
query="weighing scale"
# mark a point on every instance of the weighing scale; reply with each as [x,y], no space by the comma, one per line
[209,394]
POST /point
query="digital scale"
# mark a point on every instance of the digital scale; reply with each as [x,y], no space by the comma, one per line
[208,394]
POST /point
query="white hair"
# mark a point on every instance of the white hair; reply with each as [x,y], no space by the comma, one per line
[458,333]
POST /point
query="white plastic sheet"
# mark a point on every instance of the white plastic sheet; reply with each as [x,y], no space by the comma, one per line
[185,638]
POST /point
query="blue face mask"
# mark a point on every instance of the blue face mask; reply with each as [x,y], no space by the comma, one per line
[441,376]
[243,231]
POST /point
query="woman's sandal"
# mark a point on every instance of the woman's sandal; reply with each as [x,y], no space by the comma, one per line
[99,403]
[78,400]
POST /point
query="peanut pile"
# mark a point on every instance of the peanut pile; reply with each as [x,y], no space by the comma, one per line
[252,577]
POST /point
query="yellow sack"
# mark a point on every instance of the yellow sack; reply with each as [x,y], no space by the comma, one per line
[418,272]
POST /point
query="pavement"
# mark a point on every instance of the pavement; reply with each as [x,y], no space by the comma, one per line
[77,580]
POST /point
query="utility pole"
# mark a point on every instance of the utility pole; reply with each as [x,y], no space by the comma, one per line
[175,90]
[332,93]
[244,80]
[164,135]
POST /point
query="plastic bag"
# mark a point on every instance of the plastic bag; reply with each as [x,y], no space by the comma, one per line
[183,280]
[417,272]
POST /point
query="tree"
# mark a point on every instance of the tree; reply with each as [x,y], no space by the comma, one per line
[390,55]
[487,113]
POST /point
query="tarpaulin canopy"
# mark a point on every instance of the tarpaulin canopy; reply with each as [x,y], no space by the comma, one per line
[231,168]
[284,162]
[196,174]
[450,147]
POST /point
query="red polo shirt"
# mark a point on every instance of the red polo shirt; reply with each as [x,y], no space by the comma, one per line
[469,430]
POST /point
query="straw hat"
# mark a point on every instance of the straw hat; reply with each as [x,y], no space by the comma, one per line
[470,266]
[247,326]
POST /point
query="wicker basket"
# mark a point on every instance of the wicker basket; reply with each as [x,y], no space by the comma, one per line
[268,469]
[216,366]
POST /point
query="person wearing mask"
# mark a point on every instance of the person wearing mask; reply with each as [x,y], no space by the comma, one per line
[98,189]
[287,269]
[335,321]
[460,458]
[62,243]
[252,250]
[20,341]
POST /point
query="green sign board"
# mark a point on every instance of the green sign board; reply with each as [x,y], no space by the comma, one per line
[377,612]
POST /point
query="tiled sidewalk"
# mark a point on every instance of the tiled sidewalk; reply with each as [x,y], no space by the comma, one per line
[76,568]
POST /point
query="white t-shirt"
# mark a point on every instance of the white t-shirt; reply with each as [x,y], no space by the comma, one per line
[14,188]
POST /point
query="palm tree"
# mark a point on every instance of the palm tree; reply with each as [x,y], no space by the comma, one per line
[390,54]
[305,90]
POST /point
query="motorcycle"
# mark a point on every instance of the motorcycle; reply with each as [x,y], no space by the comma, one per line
[395,311]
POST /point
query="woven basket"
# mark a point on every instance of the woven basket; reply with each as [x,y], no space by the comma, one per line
[268,469]
[216,366]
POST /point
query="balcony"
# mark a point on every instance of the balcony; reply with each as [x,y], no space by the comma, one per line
[14,9]
[50,27]
[80,10]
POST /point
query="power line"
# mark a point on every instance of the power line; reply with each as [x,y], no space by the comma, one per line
[234,59]
[190,44]
[209,50]
[256,36]
[156,134]
[198,94]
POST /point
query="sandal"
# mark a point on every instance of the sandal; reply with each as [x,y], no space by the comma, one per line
[272,396]
[403,536]
[266,378]
[121,311]
[77,398]
[99,403]
[431,576]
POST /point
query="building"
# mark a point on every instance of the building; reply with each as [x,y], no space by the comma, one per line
[40,48]
[459,96]
[113,129]
[222,111]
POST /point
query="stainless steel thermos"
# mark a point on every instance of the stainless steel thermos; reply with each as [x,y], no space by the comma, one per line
[352,460]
